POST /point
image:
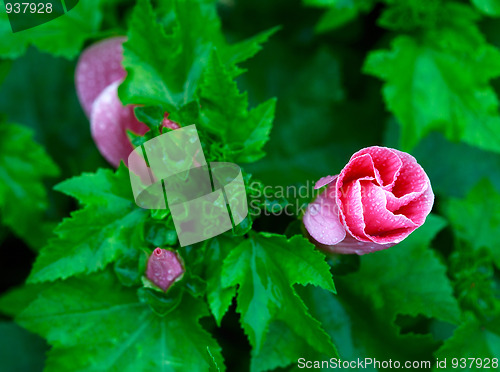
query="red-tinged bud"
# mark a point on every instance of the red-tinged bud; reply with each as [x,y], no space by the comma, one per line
[167,123]
[164,268]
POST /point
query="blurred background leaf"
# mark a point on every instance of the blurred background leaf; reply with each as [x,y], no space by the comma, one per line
[39,92]
[20,350]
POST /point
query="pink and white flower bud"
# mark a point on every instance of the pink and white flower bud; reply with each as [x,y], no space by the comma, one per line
[164,268]
[98,66]
[109,122]
[98,74]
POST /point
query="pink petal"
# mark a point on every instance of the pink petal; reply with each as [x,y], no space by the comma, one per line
[98,66]
[394,203]
[411,178]
[325,181]
[351,209]
[322,219]
[359,167]
[109,122]
[418,209]
[382,226]
[386,161]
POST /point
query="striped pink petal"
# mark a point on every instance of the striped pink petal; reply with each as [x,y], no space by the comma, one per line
[418,209]
[382,225]
[386,161]
[411,178]
[358,167]
[351,209]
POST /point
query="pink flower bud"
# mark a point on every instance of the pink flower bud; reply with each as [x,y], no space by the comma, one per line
[98,66]
[164,268]
[380,197]
[109,122]
[98,74]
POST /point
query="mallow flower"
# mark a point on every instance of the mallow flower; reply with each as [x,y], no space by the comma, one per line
[380,197]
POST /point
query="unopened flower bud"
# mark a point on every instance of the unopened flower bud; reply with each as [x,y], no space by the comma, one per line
[167,123]
[164,268]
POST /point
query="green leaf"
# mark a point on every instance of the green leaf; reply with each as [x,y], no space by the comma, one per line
[17,299]
[486,344]
[413,14]
[152,56]
[240,52]
[475,219]
[63,36]
[161,233]
[165,62]
[23,197]
[339,12]
[440,82]
[214,367]
[94,321]
[224,112]
[405,279]
[352,321]
[266,267]
[160,303]
[46,103]
[219,298]
[20,351]
[107,227]
[152,116]
[408,278]
[488,7]
[460,168]
[335,18]
[130,267]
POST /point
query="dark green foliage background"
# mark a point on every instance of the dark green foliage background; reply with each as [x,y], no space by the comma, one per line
[420,76]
